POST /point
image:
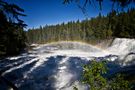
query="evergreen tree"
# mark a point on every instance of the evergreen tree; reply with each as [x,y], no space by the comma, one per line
[92,30]
[13,37]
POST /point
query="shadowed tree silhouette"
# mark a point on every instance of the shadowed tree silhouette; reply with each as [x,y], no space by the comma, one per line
[83,3]
[13,38]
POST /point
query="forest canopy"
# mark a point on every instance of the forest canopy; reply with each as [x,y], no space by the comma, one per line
[89,30]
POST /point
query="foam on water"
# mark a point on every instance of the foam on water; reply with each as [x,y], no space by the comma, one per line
[125,49]
[58,66]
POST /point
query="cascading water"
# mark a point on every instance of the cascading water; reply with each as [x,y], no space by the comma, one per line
[58,66]
[125,49]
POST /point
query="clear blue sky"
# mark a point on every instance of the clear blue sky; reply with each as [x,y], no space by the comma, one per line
[42,12]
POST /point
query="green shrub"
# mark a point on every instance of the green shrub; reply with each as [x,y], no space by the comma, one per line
[94,76]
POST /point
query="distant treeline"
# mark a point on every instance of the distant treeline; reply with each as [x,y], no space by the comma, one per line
[90,30]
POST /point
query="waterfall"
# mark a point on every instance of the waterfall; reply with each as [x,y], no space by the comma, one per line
[124,48]
[59,65]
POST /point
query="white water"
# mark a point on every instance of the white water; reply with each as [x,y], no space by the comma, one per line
[58,66]
[125,49]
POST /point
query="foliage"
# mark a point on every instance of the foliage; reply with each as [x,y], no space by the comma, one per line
[94,76]
[118,83]
[82,4]
[13,37]
[92,30]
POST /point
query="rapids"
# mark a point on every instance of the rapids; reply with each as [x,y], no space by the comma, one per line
[58,66]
